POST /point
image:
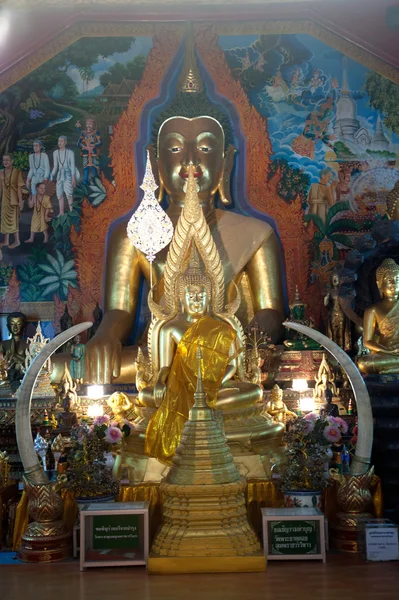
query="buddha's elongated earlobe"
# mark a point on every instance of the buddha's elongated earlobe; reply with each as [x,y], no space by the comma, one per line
[224,184]
[161,191]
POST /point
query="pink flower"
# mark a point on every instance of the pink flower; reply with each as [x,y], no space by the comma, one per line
[128,423]
[342,424]
[310,416]
[101,420]
[309,426]
[114,424]
[113,435]
[332,433]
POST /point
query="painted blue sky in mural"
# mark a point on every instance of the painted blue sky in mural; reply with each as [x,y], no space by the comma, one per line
[297,82]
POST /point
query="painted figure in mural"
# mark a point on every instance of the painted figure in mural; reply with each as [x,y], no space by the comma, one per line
[77,364]
[64,171]
[41,217]
[279,89]
[321,195]
[342,190]
[338,324]
[316,129]
[39,168]
[14,348]
[11,184]
[381,323]
[89,143]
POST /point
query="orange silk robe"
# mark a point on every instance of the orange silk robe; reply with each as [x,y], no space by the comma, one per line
[215,339]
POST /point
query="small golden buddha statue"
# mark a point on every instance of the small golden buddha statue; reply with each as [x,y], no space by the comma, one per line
[67,418]
[194,315]
[119,403]
[67,387]
[14,349]
[276,407]
[381,324]
[338,324]
[35,344]
[325,379]
[248,247]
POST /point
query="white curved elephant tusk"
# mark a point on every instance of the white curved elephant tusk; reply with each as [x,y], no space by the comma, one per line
[34,472]
[361,460]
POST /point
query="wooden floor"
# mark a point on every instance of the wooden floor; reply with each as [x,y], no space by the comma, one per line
[341,578]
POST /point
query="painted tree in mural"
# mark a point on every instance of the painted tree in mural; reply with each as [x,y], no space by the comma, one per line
[23,102]
[133,70]
[292,182]
[384,97]
[333,229]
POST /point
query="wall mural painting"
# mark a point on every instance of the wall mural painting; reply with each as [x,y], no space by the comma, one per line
[334,130]
[57,124]
[331,124]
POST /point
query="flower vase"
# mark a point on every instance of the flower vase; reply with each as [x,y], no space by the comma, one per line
[302,499]
[327,464]
[109,460]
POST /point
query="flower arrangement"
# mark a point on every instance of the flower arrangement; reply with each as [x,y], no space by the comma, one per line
[87,475]
[307,450]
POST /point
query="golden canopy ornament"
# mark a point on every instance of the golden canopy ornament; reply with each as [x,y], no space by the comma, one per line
[192,228]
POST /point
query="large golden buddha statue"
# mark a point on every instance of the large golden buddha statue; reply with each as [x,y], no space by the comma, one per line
[381,324]
[249,248]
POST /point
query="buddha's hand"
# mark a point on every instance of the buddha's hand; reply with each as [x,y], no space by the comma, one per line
[160,386]
[159,393]
[103,359]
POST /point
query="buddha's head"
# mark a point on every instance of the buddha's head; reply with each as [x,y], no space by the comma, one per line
[193,131]
[194,288]
[67,403]
[387,277]
[16,323]
[277,396]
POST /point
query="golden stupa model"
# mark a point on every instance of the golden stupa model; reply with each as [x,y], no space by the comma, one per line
[205,526]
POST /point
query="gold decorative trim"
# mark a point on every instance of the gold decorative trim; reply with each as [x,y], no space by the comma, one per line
[149,28]
[310,27]
[75,33]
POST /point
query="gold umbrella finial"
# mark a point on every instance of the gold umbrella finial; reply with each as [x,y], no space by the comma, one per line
[190,81]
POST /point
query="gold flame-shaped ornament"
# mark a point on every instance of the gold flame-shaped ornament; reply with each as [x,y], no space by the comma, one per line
[149,228]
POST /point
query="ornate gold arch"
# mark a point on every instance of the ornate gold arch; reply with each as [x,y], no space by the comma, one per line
[149,28]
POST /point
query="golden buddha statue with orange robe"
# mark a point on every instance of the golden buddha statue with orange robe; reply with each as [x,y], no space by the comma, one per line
[194,314]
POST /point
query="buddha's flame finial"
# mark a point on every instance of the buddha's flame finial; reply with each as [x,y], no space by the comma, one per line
[190,81]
